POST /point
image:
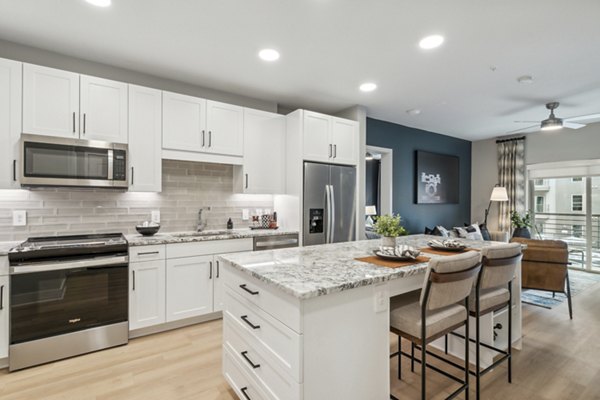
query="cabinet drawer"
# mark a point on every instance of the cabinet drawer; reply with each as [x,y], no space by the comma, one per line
[244,386]
[178,250]
[282,306]
[275,341]
[147,253]
[258,364]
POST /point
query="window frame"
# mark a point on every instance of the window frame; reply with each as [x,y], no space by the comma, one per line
[573,202]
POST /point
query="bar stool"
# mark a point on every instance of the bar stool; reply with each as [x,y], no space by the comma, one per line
[493,292]
[436,312]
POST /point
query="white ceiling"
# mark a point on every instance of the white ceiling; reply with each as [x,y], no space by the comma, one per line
[329,47]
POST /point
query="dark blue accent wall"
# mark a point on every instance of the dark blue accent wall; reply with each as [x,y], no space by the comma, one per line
[405,141]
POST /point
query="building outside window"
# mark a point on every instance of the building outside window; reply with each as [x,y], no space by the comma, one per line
[579,179]
[538,182]
[577,230]
[576,202]
[539,204]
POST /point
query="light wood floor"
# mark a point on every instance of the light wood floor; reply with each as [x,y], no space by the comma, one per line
[560,360]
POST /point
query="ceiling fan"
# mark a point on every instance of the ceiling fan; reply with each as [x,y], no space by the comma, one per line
[553,122]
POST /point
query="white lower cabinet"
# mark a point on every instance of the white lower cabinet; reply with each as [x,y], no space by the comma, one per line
[146,294]
[189,287]
[178,281]
[4,316]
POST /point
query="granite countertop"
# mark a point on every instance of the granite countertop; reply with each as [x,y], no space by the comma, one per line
[312,271]
[6,246]
[190,237]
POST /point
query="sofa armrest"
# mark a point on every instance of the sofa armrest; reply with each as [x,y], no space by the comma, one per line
[498,236]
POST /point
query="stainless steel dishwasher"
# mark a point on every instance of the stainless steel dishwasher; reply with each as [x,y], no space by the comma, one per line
[275,241]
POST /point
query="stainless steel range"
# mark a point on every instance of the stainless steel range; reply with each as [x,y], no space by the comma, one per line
[68,296]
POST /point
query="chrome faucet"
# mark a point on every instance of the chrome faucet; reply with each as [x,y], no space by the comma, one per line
[201,222]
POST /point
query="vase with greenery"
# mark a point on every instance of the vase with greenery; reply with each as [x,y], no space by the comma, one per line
[521,223]
[389,227]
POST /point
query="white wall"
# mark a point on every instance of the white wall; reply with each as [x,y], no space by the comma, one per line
[541,147]
[46,58]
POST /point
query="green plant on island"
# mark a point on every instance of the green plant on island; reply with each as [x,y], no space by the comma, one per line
[390,226]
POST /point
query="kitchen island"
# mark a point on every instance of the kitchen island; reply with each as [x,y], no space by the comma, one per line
[313,322]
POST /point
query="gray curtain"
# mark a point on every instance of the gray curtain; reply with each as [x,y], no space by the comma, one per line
[512,175]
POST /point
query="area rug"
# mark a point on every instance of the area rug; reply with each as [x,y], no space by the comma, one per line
[580,281]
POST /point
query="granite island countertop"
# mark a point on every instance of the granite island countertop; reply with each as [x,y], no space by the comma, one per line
[191,237]
[312,271]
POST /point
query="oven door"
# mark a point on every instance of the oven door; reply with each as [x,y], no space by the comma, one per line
[58,301]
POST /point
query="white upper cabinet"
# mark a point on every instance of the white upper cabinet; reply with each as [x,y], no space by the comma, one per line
[224,123]
[145,135]
[189,287]
[344,138]
[66,104]
[103,108]
[50,101]
[329,139]
[263,169]
[317,132]
[184,122]
[10,122]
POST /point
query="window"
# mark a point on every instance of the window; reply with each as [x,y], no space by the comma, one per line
[539,228]
[539,204]
[580,179]
[577,231]
[538,182]
[577,202]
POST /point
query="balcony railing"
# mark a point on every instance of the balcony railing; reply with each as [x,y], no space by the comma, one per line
[572,228]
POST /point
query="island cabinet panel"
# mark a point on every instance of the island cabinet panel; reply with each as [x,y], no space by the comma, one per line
[280,305]
[259,364]
[275,342]
[244,386]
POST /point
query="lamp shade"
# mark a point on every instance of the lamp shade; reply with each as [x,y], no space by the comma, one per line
[370,210]
[499,194]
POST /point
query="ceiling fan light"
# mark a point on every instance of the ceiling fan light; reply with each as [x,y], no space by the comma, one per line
[551,124]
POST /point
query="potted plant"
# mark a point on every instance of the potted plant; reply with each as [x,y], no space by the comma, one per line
[522,223]
[389,227]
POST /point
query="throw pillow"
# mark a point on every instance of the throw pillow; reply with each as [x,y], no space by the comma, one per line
[443,231]
[470,232]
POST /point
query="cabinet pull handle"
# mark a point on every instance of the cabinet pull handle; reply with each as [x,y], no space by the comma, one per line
[246,181]
[330,151]
[203,137]
[243,390]
[209,138]
[73,121]
[133,273]
[245,355]
[14,170]
[248,290]
[84,115]
[2,297]
[147,253]
[335,151]
[132,175]
[210,270]
[218,268]
[245,319]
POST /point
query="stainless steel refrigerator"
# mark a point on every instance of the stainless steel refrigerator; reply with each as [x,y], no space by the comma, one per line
[329,204]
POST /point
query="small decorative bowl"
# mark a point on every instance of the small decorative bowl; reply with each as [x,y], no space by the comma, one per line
[147,228]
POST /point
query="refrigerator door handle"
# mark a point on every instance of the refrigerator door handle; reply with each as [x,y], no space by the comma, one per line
[328,209]
[332,215]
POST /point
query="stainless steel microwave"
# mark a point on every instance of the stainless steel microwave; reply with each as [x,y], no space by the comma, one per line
[56,161]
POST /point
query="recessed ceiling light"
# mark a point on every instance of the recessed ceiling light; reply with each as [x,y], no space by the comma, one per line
[100,3]
[368,87]
[431,42]
[269,54]
[413,111]
[525,79]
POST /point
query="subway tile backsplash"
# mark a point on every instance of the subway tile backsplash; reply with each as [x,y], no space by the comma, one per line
[187,187]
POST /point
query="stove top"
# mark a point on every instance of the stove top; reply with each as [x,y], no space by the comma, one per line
[60,247]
